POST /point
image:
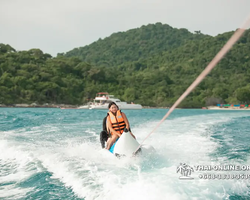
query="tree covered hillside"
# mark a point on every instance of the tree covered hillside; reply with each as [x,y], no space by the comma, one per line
[156,78]
[134,44]
[229,81]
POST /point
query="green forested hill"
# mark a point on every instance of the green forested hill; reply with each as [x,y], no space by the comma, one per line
[155,78]
[229,82]
[134,44]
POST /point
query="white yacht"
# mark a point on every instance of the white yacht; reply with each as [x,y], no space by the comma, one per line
[103,99]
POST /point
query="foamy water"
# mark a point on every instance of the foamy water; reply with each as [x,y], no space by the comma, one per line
[55,154]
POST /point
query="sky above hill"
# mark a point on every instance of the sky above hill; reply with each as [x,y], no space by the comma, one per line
[57,26]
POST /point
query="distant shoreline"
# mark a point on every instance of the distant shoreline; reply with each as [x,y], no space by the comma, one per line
[38,106]
[67,106]
[229,108]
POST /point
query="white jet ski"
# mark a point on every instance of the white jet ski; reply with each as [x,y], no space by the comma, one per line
[126,145]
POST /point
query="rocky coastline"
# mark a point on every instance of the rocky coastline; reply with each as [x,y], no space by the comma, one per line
[68,106]
[227,108]
[38,106]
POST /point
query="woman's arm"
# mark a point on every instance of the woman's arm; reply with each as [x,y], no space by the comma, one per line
[111,128]
[127,123]
[126,120]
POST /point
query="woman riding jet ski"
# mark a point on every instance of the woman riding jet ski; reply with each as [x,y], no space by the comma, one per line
[116,132]
[114,124]
[104,135]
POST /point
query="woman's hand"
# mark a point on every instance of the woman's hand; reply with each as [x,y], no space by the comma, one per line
[126,130]
[132,135]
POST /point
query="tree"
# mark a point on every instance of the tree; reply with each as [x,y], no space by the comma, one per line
[243,94]
[5,48]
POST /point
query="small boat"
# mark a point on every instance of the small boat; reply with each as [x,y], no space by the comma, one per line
[103,99]
[68,108]
[86,106]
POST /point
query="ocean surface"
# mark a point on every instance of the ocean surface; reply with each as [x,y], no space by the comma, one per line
[50,153]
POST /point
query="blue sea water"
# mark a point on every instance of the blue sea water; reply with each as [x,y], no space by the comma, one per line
[50,153]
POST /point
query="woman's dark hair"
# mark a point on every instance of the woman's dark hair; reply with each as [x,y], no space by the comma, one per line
[113,103]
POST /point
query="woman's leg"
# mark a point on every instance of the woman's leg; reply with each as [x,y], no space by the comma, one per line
[111,141]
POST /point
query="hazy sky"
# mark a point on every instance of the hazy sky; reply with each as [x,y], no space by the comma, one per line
[56,26]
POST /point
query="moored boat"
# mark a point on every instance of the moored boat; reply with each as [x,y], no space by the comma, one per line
[84,107]
[103,99]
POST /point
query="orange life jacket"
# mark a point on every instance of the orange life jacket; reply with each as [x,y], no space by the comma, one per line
[117,121]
